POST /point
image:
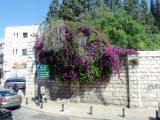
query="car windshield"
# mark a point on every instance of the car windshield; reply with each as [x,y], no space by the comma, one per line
[8,93]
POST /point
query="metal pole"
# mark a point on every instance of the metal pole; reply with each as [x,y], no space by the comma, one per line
[42,104]
[38,92]
[39,85]
[91,110]
[62,107]
[26,100]
[123,112]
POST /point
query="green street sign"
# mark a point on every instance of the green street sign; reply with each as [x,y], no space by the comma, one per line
[44,71]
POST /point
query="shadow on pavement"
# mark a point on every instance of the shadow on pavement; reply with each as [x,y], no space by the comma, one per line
[14,108]
[151,118]
[35,100]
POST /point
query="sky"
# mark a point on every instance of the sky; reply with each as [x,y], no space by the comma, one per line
[23,13]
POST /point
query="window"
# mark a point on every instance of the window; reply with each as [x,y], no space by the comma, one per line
[25,35]
[16,51]
[24,51]
[21,80]
[17,35]
[1,55]
[8,93]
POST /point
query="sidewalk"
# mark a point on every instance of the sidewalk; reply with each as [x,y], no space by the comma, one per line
[82,110]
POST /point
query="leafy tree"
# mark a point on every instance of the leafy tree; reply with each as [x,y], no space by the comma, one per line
[90,5]
[105,1]
[109,16]
[157,13]
[152,8]
[123,31]
[99,12]
[150,27]
[79,7]
[147,19]
[113,4]
[65,11]
[98,3]
[132,8]
[118,4]
[53,10]
[144,12]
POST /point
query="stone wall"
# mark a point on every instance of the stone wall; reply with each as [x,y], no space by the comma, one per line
[145,80]
[31,81]
[113,92]
[140,87]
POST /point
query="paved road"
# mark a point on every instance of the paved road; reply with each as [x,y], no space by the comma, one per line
[28,114]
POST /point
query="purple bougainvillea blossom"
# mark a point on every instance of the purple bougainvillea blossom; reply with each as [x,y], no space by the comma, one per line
[74,60]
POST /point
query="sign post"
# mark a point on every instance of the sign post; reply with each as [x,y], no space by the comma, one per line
[39,82]
[44,73]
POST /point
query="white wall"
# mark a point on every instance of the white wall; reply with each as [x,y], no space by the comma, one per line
[16,43]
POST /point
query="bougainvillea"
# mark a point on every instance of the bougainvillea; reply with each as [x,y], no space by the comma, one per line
[79,53]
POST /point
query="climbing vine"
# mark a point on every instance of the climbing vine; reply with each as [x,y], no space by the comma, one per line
[78,52]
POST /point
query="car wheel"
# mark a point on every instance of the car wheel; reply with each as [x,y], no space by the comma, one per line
[18,107]
[10,87]
[9,118]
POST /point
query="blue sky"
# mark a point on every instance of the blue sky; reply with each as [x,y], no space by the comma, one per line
[22,13]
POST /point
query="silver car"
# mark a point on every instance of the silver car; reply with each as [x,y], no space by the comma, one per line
[9,98]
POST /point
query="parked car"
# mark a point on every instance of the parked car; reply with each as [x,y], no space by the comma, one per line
[17,83]
[9,98]
[5,114]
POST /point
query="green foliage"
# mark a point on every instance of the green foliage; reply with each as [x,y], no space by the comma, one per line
[114,5]
[98,3]
[83,53]
[53,10]
[80,7]
[157,13]
[152,8]
[144,12]
[122,31]
[132,8]
[120,22]
[65,11]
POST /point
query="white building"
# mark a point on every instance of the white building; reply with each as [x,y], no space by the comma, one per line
[1,57]
[15,50]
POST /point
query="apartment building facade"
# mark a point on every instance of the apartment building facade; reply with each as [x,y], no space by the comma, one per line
[15,50]
[1,57]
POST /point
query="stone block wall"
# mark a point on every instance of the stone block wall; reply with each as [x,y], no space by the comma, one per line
[140,87]
[31,81]
[112,93]
[55,89]
[145,80]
